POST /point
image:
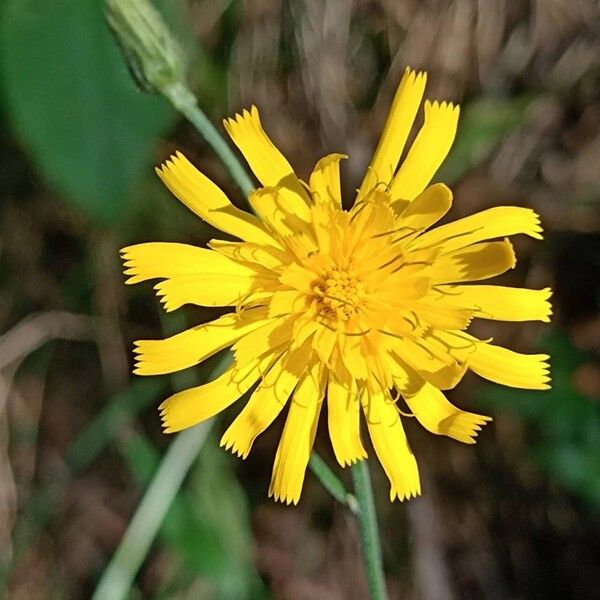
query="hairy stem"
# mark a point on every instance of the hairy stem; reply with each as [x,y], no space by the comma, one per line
[369,533]
[185,102]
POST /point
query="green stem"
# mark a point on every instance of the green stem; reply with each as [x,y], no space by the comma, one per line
[331,483]
[369,533]
[186,103]
[117,578]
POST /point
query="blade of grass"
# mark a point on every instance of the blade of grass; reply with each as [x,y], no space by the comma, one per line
[117,578]
[211,539]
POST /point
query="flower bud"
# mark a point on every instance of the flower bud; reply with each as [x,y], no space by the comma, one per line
[153,57]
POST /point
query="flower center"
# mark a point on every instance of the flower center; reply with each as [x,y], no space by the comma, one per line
[340,293]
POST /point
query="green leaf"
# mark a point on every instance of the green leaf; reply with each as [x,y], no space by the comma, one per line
[221,504]
[72,103]
[208,524]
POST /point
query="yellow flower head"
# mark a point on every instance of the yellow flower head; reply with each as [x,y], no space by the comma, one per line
[359,307]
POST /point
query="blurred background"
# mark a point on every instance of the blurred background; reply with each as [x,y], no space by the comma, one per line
[515,516]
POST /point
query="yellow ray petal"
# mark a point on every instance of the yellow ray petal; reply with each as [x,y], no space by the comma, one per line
[458,344]
[401,289]
[325,181]
[373,345]
[287,302]
[431,363]
[343,418]
[369,219]
[299,278]
[353,357]
[264,202]
[191,347]
[158,260]
[402,323]
[405,268]
[266,161]
[270,336]
[266,257]
[298,436]
[205,290]
[305,328]
[266,402]
[425,210]
[500,303]
[438,415]
[498,364]
[406,379]
[301,245]
[430,148]
[207,200]
[391,445]
[395,132]
[324,343]
[496,222]
[434,311]
[197,404]
[479,261]
[271,206]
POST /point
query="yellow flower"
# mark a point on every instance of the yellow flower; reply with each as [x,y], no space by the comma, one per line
[360,307]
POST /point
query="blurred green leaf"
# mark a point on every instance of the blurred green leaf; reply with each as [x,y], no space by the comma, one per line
[72,102]
[566,422]
[212,537]
[482,125]
[214,478]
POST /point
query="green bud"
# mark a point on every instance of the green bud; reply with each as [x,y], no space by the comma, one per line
[153,57]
